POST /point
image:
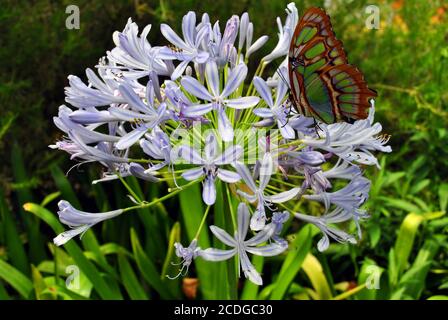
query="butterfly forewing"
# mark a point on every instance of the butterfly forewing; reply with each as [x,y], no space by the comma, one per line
[323,84]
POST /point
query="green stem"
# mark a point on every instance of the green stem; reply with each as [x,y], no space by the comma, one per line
[156,201]
[202,222]
[128,187]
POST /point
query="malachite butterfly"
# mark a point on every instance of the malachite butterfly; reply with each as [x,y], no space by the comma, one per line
[323,84]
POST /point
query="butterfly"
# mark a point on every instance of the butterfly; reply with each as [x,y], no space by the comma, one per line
[323,84]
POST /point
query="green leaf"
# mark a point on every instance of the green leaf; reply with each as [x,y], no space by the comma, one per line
[148,269]
[36,242]
[351,292]
[313,269]
[443,196]
[64,186]
[298,250]
[419,186]
[75,252]
[405,240]
[89,240]
[174,237]
[192,211]
[63,292]
[50,198]
[38,282]
[16,279]
[3,293]
[130,281]
[401,204]
[438,297]
[414,280]
[13,242]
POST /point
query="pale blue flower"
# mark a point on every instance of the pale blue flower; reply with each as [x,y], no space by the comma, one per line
[157,145]
[308,162]
[352,142]
[285,33]
[210,166]
[99,92]
[79,221]
[133,57]
[349,199]
[323,223]
[226,51]
[87,133]
[218,100]
[187,255]
[144,116]
[241,247]
[266,170]
[278,219]
[342,170]
[186,50]
[277,109]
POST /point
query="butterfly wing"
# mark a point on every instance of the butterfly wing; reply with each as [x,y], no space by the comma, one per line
[323,84]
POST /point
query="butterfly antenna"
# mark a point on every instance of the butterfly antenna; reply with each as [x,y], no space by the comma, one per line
[277,67]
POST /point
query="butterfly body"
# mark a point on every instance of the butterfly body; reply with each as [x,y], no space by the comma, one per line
[323,84]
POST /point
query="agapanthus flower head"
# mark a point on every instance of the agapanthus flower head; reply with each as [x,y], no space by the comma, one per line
[192,113]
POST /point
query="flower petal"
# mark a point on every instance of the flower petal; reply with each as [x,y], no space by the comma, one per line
[194,87]
[223,236]
[172,37]
[261,236]
[228,176]
[197,110]
[138,171]
[225,128]
[132,98]
[269,250]
[266,170]
[242,103]
[209,191]
[230,155]
[243,221]
[212,254]
[245,174]
[286,131]
[131,137]
[64,237]
[263,90]
[249,197]
[249,270]
[211,146]
[282,87]
[258,220]
[234,80]
[179,70]
[189,27]
[263,112]
[190,155]
[211,72]
[257,45]
[193,174]
[283,196]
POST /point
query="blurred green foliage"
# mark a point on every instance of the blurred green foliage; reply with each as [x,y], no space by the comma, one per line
[404,248]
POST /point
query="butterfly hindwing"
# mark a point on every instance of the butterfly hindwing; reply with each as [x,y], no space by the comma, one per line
[323,84]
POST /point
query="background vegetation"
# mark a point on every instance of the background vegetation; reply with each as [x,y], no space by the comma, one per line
[406,61]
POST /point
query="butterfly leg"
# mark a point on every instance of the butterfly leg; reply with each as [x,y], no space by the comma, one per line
[316,126]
